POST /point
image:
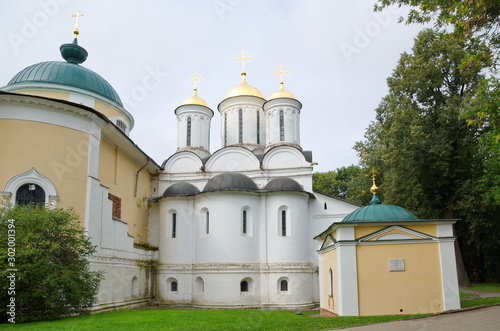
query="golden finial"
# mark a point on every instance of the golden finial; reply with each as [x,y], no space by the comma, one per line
[77,25]
[243,60]
[281,72]
[374,188]
[195,79]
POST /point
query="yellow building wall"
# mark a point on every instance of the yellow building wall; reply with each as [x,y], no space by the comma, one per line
[47,94]
[418,289]
[330,303]
[109,111]
[117,172]
[56,152]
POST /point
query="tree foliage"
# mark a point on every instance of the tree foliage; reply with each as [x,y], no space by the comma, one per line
[430,158]
[351,183]
[52,275]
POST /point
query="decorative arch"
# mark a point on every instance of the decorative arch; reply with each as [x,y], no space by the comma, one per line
[232,158]
[172,286]
[284,157]
[183,162]
[199,285]
[32,177]
[246,286]
[134,292]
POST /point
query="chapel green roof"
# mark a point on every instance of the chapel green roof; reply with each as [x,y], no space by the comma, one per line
[377,212]
[68,73]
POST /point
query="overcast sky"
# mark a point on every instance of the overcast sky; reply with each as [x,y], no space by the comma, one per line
[338,54]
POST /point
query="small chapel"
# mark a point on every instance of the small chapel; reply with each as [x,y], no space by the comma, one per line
[227,228]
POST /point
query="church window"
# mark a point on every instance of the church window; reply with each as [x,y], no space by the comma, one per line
[134,287]
[244,222]
[188,135]
[325,206]
[173,286]
[284,285]
[244,286]
[258,127]
[121,125]
[207,220]
[240,125]
[282,125]
[283,223]
[330,273]
[174,225]
[225,129]
[30,194]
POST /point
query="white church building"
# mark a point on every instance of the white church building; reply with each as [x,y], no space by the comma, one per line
[227,228]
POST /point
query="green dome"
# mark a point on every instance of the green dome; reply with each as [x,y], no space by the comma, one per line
[377,212]
[68,73]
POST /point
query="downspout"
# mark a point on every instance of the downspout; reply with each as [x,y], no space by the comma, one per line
[137,176]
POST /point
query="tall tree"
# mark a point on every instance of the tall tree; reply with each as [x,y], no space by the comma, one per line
[430,158]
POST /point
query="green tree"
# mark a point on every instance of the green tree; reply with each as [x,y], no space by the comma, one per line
[431,160]
[351,183]
[48,252]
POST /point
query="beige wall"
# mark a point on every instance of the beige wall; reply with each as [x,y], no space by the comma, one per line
[117,171]
[56,152]
[416,290]
[47,94]
[430,229]
[329,260]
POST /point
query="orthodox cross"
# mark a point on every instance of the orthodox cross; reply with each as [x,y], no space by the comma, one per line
[243,60]
[195,79]
[281,72]
[77,15]
[374,187]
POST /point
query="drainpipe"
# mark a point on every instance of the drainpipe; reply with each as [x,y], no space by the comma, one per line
[137,176]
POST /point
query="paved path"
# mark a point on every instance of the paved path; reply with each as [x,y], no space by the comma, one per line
[479,294]
[478,319]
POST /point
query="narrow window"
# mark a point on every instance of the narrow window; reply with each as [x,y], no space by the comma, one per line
[174,225]
[240,125]
[207,221]
[282,126]
[225,129]
[30,194]
[244,286]
[173,286]
[330,272]
[284,285]
[258,127]
[244,222]
[326,207]
[283,223]
[188,136]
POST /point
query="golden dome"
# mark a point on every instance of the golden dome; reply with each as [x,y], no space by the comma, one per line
[282,93]
[195,100]
[243,89]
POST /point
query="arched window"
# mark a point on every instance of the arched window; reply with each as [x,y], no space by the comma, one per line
[134,287]
[174,225]
[283,223]
[325,206]
[244,222]
[207,221]
[30,194]
[173,286]
[282,125]
[240,125]
[244,286]
[188,135]
[284,285]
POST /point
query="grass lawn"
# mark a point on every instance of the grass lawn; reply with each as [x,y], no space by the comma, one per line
[479,302]
[488,287]
[168,319]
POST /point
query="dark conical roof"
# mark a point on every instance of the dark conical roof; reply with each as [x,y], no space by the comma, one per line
[180,189]
[283,184]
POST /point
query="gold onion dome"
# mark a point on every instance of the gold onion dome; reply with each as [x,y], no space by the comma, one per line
[195,99]
[243,89]
[282,93]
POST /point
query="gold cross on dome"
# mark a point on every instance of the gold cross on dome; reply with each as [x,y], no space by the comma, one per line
[243,60]
[374,188]
[281,72]
[77,25]
[195,79]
